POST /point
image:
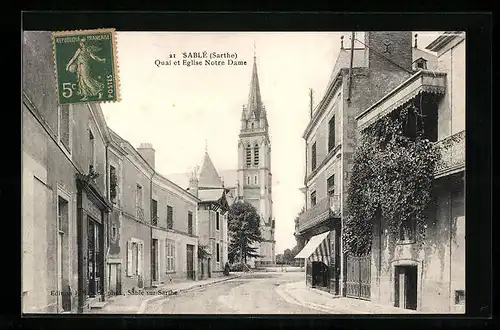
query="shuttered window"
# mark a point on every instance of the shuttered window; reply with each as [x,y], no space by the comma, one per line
[190,223]
[330,184]
[249,156]
[256,155]
[154,212]
[313,156]
[170,217]
[170,253]
[135,257]
[331,133]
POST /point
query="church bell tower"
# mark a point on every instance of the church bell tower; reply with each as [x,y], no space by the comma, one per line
[254,166]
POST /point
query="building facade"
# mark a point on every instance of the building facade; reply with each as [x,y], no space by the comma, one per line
[65,206]
[360,77]
[429,278]
[97,219]
[213,209]
[254,167]
[174,246]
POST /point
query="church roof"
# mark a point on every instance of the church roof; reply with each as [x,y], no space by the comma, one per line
[230,178]
[255,104]
[208,174]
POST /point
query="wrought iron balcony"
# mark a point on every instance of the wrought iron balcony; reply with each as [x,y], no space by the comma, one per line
[326,208]
[140,213]
[452,154]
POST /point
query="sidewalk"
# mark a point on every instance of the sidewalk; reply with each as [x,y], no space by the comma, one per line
[298,293]
[137,303]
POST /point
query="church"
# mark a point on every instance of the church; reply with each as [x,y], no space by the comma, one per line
[252,180]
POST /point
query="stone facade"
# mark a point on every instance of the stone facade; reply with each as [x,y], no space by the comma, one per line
[212,212]
[438,283]
[87,198]
[331,135]
[60,144]
[180,232]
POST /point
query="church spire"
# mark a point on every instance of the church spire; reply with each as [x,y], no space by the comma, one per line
[254,98]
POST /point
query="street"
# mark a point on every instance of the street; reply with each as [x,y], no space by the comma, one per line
[253,293]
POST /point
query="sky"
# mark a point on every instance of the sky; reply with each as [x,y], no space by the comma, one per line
[181,109]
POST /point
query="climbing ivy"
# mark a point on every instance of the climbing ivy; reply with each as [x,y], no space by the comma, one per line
[392,177]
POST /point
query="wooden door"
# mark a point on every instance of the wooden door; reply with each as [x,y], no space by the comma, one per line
[358,277]
[190,261]
[154,260]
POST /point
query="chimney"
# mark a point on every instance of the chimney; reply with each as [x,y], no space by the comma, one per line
[193,184]
[416,38]
[389,50]
[148,153]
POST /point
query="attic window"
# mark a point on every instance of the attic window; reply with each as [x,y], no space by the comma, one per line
[421,64]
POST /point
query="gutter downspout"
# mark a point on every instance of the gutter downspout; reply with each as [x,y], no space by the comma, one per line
[108,219]
[151,225]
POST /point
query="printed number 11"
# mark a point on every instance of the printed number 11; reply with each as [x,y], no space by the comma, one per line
[68,89]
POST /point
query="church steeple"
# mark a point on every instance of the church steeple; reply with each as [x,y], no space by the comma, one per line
[254,99]
[254,164]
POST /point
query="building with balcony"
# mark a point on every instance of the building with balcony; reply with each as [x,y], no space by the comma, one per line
[65,206]
[360,77]
[428,277]
[213,211]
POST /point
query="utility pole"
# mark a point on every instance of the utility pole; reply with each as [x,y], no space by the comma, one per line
[353,36]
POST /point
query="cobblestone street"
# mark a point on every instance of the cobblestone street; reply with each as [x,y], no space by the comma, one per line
[253,293]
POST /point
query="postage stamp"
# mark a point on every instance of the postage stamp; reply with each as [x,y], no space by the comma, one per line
[86,66]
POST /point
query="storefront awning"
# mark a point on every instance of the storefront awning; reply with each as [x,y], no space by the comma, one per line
[312,247]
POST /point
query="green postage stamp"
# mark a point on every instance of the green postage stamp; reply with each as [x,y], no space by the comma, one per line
[86,66]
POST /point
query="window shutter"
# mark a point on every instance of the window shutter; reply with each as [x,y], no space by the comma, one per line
[139,258]
[129,258]
[173,256]
[158,258]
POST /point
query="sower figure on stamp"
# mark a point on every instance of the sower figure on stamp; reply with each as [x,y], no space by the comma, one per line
[87,85]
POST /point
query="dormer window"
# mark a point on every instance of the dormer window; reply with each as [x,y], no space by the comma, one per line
[421,64]
[252,125]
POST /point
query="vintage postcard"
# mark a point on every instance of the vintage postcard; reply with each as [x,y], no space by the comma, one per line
[86,66]
[243,172]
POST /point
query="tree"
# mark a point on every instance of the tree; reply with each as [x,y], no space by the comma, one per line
[299,239]
[288,256]
[244,232]
[202,251]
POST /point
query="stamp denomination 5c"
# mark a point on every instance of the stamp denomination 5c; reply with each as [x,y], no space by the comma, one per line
[86,66]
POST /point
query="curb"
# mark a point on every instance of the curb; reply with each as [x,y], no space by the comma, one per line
[329,309]
[146,302]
